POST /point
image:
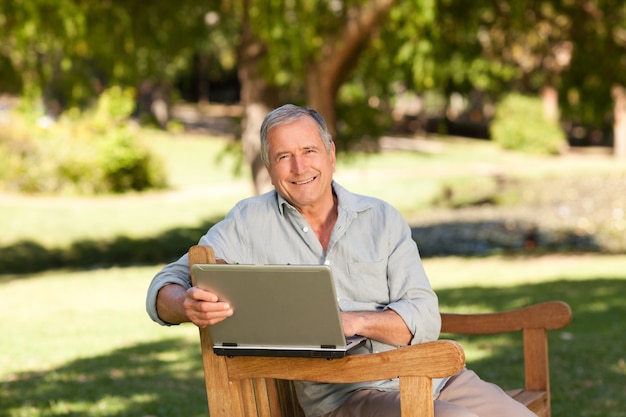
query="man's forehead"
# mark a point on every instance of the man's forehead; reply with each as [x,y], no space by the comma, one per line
[289,136]
[303,122]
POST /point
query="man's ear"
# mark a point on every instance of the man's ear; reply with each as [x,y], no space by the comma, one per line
[269,174]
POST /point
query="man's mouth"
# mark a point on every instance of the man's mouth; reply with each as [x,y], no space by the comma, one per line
[303,182]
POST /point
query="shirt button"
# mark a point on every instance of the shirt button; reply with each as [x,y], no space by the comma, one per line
[305,229]
[327,262]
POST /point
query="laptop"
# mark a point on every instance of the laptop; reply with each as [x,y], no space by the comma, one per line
[279,310]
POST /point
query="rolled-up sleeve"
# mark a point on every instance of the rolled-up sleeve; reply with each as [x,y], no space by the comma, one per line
[175,273]
[410,292]
[178,271]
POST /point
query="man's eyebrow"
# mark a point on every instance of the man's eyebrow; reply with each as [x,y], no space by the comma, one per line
[304,148]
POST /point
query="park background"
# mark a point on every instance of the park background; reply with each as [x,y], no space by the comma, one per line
[496,128]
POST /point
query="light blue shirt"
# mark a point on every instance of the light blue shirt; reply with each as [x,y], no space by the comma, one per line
[375,263]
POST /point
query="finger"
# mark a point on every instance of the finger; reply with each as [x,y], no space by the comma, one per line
[209,318]
[201,294]
[205,313]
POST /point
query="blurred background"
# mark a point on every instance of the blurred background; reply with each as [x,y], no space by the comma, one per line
[498,129]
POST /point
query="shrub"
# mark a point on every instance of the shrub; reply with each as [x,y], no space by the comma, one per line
[86,153]
[519,124]
[126,166]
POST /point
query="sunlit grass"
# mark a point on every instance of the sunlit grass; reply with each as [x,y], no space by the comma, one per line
[81,343]
[50,318]
[455,272]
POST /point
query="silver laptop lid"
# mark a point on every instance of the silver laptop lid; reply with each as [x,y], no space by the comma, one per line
[275,306]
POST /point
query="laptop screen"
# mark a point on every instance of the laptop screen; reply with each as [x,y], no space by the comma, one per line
[276,308]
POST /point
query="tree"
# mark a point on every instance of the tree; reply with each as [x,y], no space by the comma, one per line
[311,52]
[619,123]
[598,69]
[258,96]
[292,49]
[38,38]
[571,53]
[506,45]
[68,51]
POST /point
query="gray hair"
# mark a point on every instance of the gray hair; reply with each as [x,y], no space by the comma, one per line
[289,113]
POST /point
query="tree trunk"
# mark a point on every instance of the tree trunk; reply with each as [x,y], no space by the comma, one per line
[550,101]
[322,94]
[202,80]
[258,97]
[339,57]
[154,99]
[619,124]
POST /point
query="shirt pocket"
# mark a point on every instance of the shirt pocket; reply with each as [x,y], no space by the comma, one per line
[368,282]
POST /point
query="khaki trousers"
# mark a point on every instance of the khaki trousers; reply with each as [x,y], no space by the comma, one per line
[465,395]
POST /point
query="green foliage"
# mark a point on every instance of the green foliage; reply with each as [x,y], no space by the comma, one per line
[519,124]
[124,165]
[361,114]
[67,50]
[598,33]
[301,28]
[85,153]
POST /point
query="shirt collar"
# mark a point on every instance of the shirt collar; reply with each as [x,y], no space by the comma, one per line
[345,199]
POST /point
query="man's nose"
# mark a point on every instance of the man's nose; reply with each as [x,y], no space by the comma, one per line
[298,164]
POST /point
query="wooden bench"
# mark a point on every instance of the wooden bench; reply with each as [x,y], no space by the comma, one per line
[261,386]
[533,321]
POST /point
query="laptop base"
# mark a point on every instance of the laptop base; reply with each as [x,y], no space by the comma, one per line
[232,351]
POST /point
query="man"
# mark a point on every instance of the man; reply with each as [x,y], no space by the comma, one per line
[308,218]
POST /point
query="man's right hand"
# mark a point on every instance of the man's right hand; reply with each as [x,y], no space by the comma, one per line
[203,308]
[176,304]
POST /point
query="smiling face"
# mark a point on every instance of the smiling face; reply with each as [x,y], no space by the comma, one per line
[300,167]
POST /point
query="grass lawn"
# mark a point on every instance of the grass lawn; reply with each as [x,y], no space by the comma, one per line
[77,342]
[202,184]
[587,359]
[205,183]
